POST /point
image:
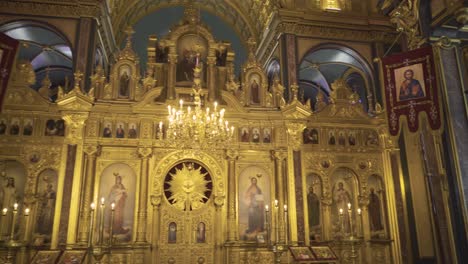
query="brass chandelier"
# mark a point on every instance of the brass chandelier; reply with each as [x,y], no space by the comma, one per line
[197,127]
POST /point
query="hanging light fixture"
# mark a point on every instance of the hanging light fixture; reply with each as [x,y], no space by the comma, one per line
[197,127]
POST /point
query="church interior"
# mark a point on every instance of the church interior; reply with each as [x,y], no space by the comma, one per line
[233,131]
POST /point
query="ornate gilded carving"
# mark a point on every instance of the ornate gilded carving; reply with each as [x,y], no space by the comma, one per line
[406,19]
[294,130]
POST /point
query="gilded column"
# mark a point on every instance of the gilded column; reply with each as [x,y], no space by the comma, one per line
[218,227]
[145,154]
[155,236]
[211,79]
[171,76]
[91,152]
[279,157]
[231,156]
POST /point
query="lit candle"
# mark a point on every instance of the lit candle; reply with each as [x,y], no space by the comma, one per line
[285,208]
[276,203]
[181,103]
[26,211]
[349,205]
[359,211]
[101,222]
[102,201]
[341,211]
[15,206]
[4,211]
[207,110]
[91,225]
[112,206]
[111,232]
[267,209]
[215,105]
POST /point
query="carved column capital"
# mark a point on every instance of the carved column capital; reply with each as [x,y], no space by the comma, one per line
[279,155]
[145,152]
[92,150]
[294,130]
[75,124]
[211,60]
[172,58]
[156,200]
[232,154]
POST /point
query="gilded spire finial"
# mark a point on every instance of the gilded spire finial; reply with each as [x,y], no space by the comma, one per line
[129,32]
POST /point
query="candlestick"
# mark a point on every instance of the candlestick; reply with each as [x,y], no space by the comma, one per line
[26,214]
[350,216]
[359,231]
[267,218]
[341,220]
[276,222]
[111,232]
[286,224]
[101,222]
[91,225]
[15,211]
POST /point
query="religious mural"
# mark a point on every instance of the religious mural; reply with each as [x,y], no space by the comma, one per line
[12,191]
[254,194]
[47,196]
[192,50]
[124,81]
[343,193]
[376,207]
[314,213]
[117,185]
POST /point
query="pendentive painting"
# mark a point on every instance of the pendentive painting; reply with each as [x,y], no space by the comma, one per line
[254,194]
[46,200]
[118,184]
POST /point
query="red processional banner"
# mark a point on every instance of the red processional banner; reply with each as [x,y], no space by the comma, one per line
[411,88]
[8,47]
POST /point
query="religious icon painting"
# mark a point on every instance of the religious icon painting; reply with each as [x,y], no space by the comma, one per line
[201,232]
[341,138]
[107,130]
[132,130]
[313,197]
[266,135]
[14,126]
[301,253]
[313,136]
[27,127]
[172,233]
[254,194]
[323,253]
[255,135]
[120,130]
[118,185]
[352,138]
[305,136]
[125,76]
[47,195]
[3,126]
[46,257]
[72,257]
[50,128]
[244,134]
[34,157]
[343,195]
[410,89]
[254,85]
[376,207]
[60,126]
[331,138]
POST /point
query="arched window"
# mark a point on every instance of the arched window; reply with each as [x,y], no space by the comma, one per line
[323,65]
[48,51]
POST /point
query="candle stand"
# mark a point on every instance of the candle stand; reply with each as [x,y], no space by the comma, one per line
[99,249]
[11,244]
[278,247]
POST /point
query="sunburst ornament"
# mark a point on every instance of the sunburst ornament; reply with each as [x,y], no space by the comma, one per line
[188,187]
